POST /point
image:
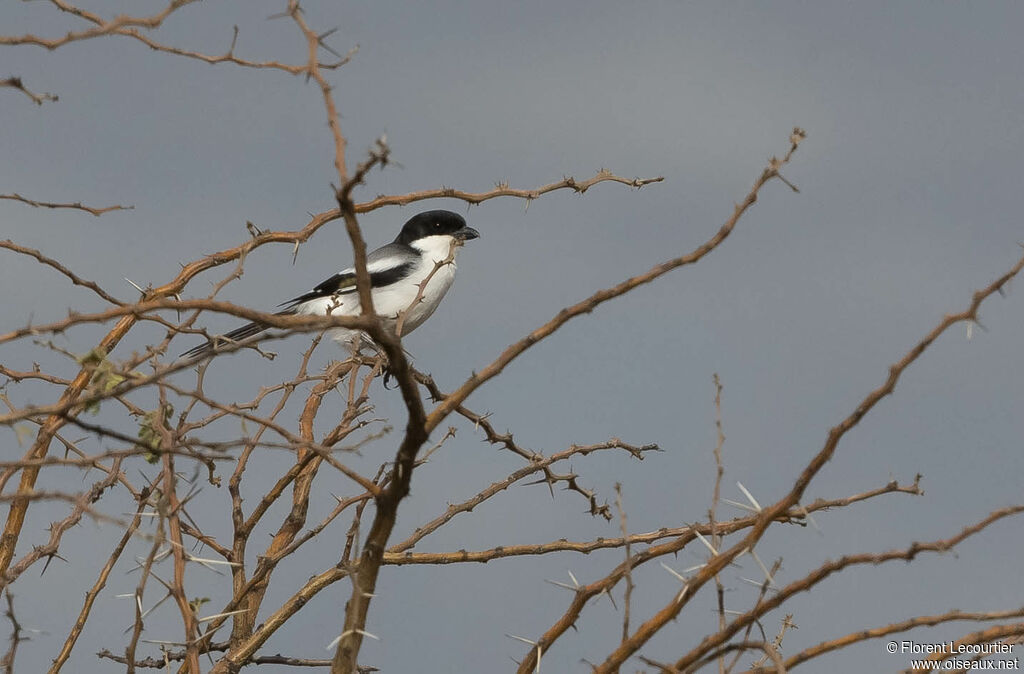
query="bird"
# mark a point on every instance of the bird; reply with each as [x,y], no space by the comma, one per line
[426,247]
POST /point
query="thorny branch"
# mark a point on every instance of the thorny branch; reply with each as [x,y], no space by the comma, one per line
[38,99]
[78,205]
[723,558]
[176,539]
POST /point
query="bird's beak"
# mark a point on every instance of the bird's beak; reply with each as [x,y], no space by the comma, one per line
[466,233]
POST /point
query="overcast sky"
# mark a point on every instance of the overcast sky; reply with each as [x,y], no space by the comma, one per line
[910,186]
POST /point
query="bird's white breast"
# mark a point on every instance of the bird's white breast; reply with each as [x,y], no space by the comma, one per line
[404,296]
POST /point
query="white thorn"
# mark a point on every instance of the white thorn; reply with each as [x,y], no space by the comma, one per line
[204,562]
[749,496]
[334,642]
[567,586]
[221,615]
[706,543]
[755,583]
[135,285]
[679,576]
[741,506]
[523,639]
[767,575]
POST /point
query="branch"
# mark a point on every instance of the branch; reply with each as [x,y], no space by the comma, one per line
[76,206]
[982,637]
[16,637]
[90,596]
[50,262]
[893,628]
[17,83]
[588,305]
[723,558]
[715,641]
[128,26]
[503,190]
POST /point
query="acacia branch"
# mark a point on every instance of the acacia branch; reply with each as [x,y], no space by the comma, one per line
[129,26]
[723,558]
[503,190]
[985,636]
[50,262]
[492,370]
[894,628]
[38,99]
[90,596]
[78,205]
[715,641]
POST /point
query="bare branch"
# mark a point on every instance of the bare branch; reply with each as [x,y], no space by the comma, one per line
[586,306]
[75,206]
[17,83]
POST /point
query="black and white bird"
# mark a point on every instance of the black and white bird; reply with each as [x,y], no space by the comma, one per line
[428,241]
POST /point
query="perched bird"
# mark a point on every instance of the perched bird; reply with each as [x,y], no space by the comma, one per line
[397,270]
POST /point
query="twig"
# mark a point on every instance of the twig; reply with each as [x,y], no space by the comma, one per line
[78,205]
[16,637]
[17,83]
[668,612]
[586,306]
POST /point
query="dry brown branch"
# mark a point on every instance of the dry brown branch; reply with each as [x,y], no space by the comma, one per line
[503,190]
[627,565]
[716,537]
[140,589]
[507,441]
[772,653]
[307,463]
[57,529]
[38,99]
[36,373]
[50,262]
[16,635]
[804,584]
[718,562]
[985,636]
[129,26]
[539,464]
[681,536]
[313,44]
[77,394]
[894,628]
[78,205]
[762,592]
[178,656]
[459,396]
[738,649]
[171,510]
[94,591]
[303,416]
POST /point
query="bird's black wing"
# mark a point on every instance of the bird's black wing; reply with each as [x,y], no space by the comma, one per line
[344,282]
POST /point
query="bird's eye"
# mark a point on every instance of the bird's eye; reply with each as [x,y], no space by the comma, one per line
[437,225]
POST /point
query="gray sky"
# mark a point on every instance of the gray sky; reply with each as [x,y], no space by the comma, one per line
[909,201]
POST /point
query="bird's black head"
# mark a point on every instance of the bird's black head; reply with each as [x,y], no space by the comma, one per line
[436,223]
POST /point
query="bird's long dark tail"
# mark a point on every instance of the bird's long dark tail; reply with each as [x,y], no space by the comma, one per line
[246,333]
